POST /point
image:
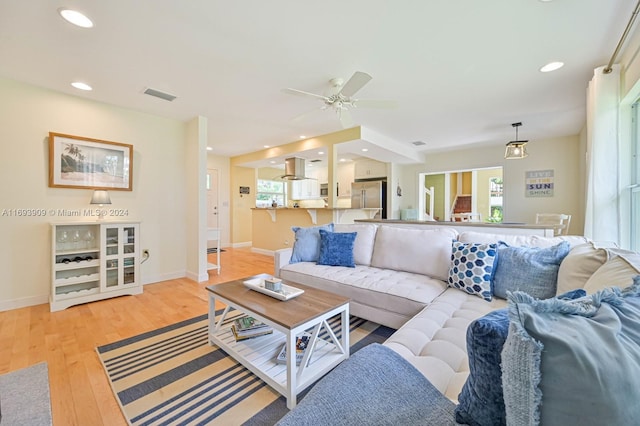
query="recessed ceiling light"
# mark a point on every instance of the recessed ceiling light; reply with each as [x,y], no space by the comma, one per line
[209,148]
[365,149]
[302,137]
[552,66]
[267,146]
[320,152]
[82,86]
[272,162]
[75,17]
[342,160]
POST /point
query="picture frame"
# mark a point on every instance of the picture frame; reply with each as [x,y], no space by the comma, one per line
[87,163]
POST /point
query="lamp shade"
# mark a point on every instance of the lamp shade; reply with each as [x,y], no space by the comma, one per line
[516,150]
[100,197]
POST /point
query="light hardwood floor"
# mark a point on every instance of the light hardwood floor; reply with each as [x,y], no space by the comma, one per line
[67,340]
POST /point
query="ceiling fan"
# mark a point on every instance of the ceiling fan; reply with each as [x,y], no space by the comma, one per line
[340,97]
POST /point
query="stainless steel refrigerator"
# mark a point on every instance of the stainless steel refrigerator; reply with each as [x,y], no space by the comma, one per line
[370,194]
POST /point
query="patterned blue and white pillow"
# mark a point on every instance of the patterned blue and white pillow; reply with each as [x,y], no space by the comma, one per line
[472,268]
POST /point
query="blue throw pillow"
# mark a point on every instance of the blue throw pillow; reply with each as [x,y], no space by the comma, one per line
[472,268]
[573,362]
[336,248]
[481,400]
[306,247]
[533,270]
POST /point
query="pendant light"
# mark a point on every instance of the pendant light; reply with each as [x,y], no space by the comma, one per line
[516,149]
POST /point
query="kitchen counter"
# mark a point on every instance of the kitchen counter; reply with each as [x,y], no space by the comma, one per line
[498,228]
[340,214]
[272,226]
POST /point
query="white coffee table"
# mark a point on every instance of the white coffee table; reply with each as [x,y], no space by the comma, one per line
[308,312]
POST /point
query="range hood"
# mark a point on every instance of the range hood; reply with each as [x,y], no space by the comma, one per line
[294,169]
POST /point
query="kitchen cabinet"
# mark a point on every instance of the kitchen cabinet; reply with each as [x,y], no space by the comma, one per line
[305,189]
[367,168]
[93,261]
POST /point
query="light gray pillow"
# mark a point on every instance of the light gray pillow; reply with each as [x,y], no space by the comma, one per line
[363,246]
[421,251]
[573,361]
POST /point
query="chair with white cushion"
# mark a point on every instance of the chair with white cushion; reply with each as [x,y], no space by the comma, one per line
[559,221]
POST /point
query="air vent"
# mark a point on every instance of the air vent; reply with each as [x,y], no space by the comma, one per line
[158,94]
[315,161]
[418,143]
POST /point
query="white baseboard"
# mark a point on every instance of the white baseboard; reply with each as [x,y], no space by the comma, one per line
[244,244]
[163,277]
[263,251]
[199,278]
[7,305]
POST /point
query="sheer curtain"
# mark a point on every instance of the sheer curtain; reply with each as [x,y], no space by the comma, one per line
[602,212]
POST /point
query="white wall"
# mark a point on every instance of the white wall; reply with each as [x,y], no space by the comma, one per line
[561,154]
[27,115]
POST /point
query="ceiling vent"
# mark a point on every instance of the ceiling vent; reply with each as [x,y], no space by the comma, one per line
[158,94]
[317,160]
[418,143]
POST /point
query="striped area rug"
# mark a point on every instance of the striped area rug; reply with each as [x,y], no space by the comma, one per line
[174,376]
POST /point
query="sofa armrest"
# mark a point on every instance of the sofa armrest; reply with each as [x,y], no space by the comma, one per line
[281,258]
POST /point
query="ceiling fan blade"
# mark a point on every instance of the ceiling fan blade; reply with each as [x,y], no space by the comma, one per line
[355,83]
[303,93]
[345,118]
[374,103]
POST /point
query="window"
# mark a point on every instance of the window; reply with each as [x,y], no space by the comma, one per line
[635,180]
[495,199]
[270,191]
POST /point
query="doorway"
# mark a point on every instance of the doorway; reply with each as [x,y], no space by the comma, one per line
[478,191]
[212,201]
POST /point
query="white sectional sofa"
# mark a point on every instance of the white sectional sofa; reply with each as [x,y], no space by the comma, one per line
[400,280]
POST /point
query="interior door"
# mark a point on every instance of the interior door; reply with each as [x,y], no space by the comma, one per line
[212,198]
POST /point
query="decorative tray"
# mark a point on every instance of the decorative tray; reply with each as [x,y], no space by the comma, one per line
[286,293]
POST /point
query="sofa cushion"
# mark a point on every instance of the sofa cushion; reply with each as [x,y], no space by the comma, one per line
[434,340]
[573,362]
[426,252]
[472,267]
[402,293]
[363,246]
[533,270]
[336,248]
[481,401]
[520,240]
[581,262]
[617,272]
[306,247]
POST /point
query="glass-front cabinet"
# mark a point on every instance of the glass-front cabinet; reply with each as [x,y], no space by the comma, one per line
[93,261]
[120,268]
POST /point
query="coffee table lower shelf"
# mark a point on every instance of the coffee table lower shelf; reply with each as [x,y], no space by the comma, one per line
[259,353]
[308,313]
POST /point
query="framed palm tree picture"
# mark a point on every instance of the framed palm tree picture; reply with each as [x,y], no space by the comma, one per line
[85,163]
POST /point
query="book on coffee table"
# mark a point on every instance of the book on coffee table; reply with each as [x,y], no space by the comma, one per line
[301,346]
[248,334]
[248,323]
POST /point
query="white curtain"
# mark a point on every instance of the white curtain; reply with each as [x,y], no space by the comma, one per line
[602,213]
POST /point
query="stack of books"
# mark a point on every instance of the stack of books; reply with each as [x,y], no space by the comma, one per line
[301,346]
[248,327]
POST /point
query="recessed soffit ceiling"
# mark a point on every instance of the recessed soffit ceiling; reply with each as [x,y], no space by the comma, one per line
[460,72]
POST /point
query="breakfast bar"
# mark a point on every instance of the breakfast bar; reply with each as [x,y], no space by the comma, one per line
[486,227]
